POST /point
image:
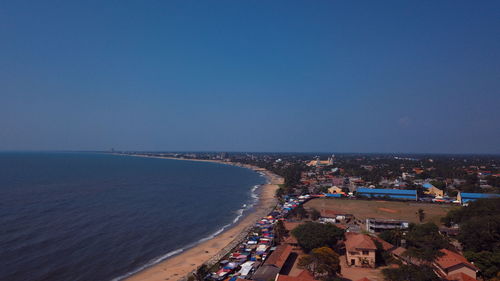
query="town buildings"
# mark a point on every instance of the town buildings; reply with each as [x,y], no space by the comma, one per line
[379,225]
[360,250]
[465,198]
[453,264]
[432,190]
[401,194]
[335,189]
[273,265]
[318,163]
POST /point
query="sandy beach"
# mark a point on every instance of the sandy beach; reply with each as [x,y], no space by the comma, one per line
[177,267]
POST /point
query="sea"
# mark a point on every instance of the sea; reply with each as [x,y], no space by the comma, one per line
[97,216]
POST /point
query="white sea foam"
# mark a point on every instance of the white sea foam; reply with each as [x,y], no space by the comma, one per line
[245,207]
[253,193]
[150,263]
[172,253]
[240,214]
[210,236]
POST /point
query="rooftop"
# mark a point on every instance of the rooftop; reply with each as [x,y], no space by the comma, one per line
[479,195]
[427,185]
[461,277]
[387,191]
[279,256]
[450,259]
[357,241]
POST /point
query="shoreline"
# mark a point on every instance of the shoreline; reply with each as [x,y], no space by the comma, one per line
[178,266]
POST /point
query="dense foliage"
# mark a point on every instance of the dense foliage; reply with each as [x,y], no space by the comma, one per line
[392,236]
[487,261]
[321,262]
[311,235]
[299,212]
[314,214]
[423,241]
[291,175]
[479,233]
[382,257]
[279,231]
[479,225]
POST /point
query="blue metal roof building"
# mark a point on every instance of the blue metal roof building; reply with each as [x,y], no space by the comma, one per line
[403,194]
[336,195]
[467,197]
[427,185]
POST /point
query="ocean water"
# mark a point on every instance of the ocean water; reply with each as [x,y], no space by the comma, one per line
[90,216]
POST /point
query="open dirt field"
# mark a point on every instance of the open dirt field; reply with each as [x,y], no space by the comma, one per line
[363,209]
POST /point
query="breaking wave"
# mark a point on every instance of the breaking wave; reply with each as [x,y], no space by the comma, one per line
[239,213]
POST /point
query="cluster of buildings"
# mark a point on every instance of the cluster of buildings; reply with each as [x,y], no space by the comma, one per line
[361,251]
[258,257]
[449,266]
[318,163]
[325,180]
[431,194]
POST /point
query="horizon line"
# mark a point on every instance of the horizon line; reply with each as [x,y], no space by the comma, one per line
[259,152]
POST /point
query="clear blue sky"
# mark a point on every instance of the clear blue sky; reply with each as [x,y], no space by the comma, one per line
[343,76]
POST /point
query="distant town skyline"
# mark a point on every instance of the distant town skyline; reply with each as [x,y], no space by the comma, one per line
[280,76]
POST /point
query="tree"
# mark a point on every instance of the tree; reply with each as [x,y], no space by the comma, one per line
[410,273]
[479,233]
[314,214]
[479,225]
[382,257]
[421,215]
[279,231]
[321,262]
[424,241]
[488,262]
[392,236]
[311,235]
[201,272]
[299,212]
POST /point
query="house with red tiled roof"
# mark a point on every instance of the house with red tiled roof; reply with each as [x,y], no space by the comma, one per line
[460,277]
[303,276]
[451,263]
[360,250]
[279,256]
[400,254]
[272,266]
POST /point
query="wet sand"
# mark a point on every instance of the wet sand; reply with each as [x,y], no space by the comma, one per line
[177,267]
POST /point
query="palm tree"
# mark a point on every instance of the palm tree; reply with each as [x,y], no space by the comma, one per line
[279,231]
[421,215]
